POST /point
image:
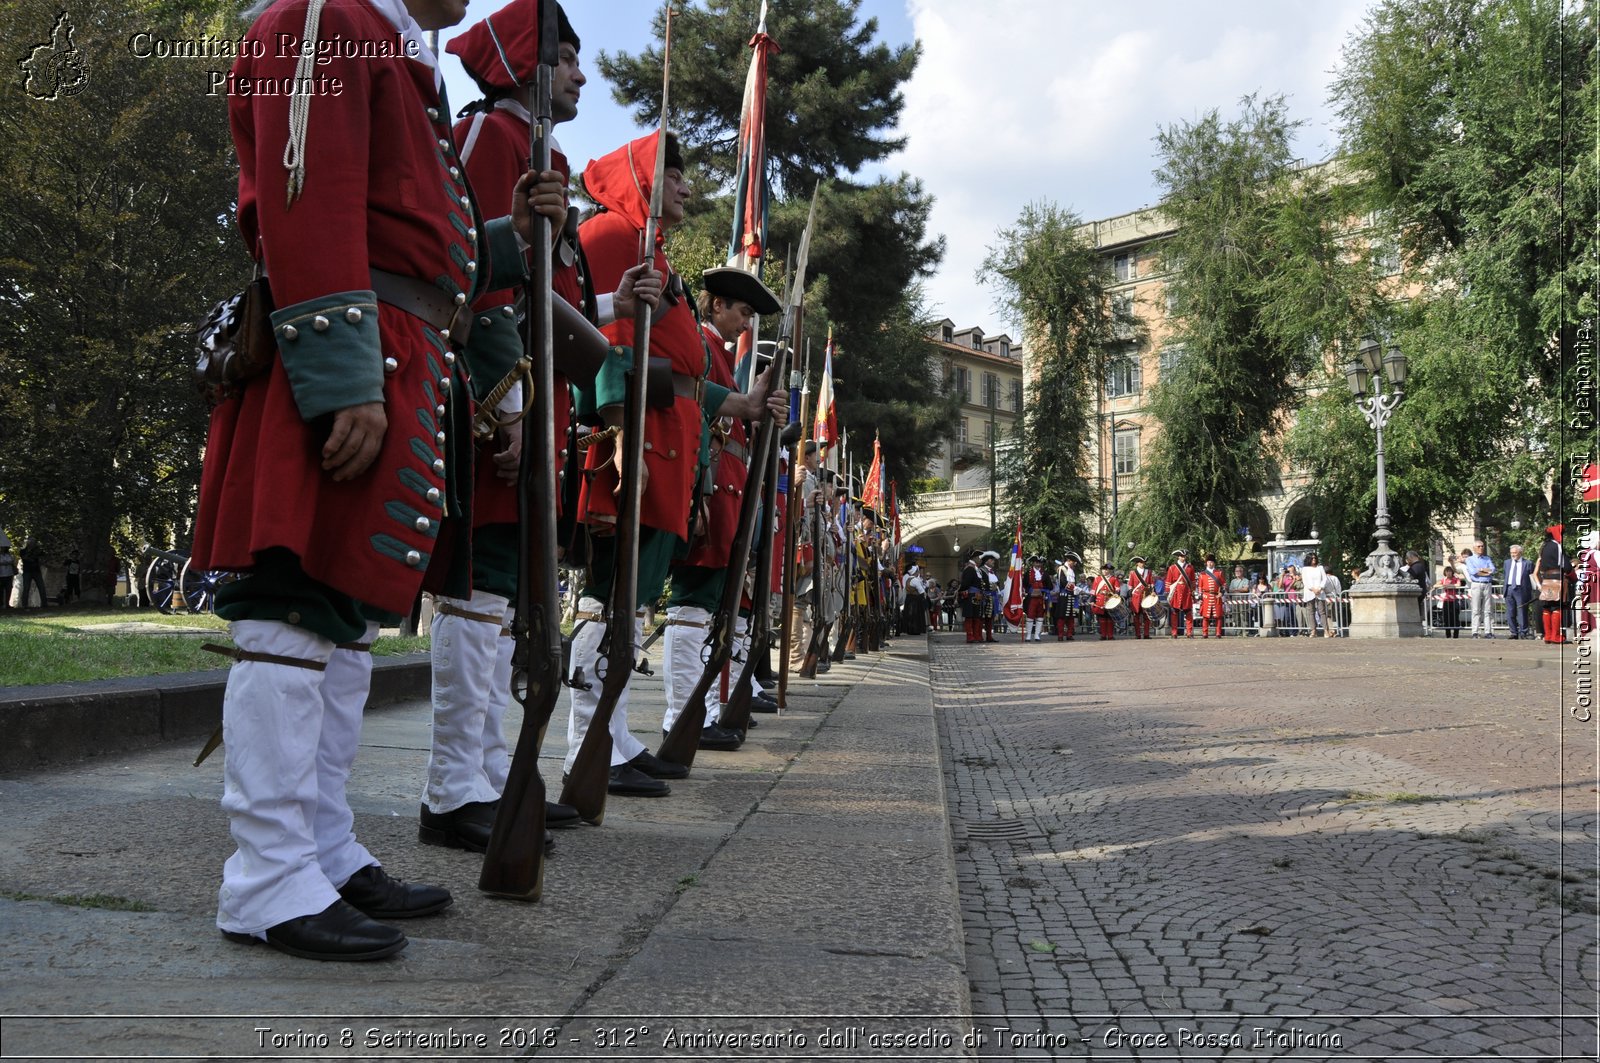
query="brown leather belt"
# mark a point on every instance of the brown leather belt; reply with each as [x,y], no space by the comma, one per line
[738,450]
[265,658]
[446,609]
[689,623]
[687,387]
[426,300]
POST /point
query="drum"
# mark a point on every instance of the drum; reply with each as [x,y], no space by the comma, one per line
[1149,603]
[1116,608]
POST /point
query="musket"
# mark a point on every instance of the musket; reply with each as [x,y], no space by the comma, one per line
[736,716]
[791,547]
[847,631]
[513,862]
[590,775]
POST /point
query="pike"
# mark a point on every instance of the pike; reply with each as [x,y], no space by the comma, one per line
[513,862]
[590,775]
[799,391]
[683,740]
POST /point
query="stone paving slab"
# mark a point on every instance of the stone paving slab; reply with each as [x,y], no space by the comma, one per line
[1363,848]
[801,875]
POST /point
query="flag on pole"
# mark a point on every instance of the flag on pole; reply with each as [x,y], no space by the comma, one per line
[872,488]
[1012,593]
[748,243]
[826,430]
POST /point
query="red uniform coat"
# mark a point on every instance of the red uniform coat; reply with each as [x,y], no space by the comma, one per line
[712,549]
[1180,586]
[494,149]
[1104,587]
[621,183]
[1211,585]
[1138,587]
[382,190]
[1035,586]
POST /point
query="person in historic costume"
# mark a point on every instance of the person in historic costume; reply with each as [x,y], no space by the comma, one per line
[914,611]
[991,585]
[1553,571]
[328,479]
[1106,586]
[620,183]
[973,592]
[1587,594]
[1141,582]
[1035,599]
[1064,610]
[470,638]
[729,298]
[1210,585]
[1180,594]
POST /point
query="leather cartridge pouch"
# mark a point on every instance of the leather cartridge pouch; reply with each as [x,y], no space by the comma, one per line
[658,393]
[580,348]
[235,342]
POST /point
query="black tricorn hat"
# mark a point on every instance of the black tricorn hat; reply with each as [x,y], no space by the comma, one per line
[1135,560]
[791,434]
[730,282]
[1180,552]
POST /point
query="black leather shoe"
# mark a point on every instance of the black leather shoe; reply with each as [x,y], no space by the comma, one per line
[823,665]
[627,781]
[720,738]
[849,656]
[338,932]
[372,891]
[549,843]
[561,817]
[763,703]
[647,763]
[467,827]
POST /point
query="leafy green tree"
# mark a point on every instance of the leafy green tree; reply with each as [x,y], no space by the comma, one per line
[115,238]
[1472,127]
[833,98]
[1053,281]
[1260,287]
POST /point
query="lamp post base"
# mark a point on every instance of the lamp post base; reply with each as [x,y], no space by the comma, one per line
[1384,610]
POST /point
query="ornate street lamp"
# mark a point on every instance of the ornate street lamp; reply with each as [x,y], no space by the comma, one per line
[1367,376]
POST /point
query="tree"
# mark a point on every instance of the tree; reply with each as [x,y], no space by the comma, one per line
[115,237]
[1472,126]
[833,98]
[1261,286]
[1054,282]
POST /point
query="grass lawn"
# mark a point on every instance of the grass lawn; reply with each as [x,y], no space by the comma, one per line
[64,645]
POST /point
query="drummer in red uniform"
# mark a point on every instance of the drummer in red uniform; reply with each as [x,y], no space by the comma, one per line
[1210,584]
[1180,594]
[1141,584]
[1106,586]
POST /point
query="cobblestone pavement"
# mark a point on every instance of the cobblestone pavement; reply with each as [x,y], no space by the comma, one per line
[1273,849]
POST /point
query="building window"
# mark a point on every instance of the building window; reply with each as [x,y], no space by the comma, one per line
[1125,448]
[1386,256]
[1005,349]
[963,436]
[991,390]
[1016,396]
[1123,376]
[946,332]
[1126,266]
[1171,357]
[963,382]
[988,433]
[977,339]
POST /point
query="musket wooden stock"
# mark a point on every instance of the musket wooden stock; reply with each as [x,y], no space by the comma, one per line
[513,862]
[683,740]
[590,775]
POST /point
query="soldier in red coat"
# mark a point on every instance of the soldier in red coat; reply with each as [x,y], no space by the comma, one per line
[1035,599]
[1141,582]
[470,637]
[620,183]
[1106,586]
[1180,594]
[327,479]
[1210,585]
[728,300]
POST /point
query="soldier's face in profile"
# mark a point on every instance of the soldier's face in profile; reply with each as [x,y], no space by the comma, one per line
[567,86]
[674,197]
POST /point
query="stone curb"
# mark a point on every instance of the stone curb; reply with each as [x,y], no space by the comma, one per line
[46,725]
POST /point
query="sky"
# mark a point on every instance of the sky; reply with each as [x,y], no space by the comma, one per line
[1022,101]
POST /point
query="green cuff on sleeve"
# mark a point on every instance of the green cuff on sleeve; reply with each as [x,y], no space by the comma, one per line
[332,352]
[712,396]
[492,351]
[508,266]
[610,384]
